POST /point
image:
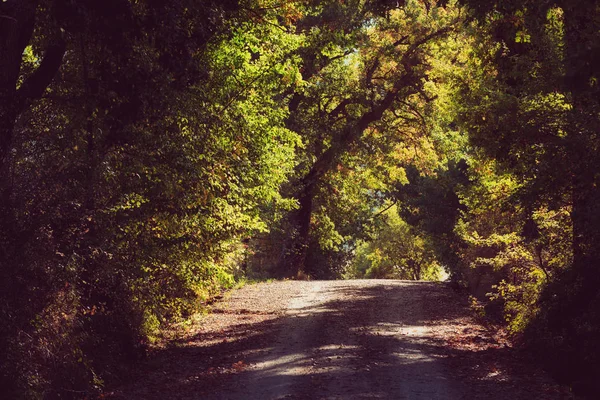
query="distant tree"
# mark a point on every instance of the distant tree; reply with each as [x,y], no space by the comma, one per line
[368,80]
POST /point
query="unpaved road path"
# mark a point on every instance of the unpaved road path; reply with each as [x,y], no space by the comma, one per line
[375,339]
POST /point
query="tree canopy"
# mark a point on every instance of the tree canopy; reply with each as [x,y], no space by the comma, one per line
[153,153]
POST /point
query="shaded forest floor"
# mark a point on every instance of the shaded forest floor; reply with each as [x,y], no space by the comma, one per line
[339,340]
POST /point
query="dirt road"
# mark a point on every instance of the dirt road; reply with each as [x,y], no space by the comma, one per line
[371,339]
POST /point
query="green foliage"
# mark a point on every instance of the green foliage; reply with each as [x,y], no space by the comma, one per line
[535,110]
[134,182]
[522,253]
[395,252]
[147,169]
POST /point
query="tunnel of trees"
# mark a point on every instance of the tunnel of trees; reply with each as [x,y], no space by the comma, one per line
[154,152]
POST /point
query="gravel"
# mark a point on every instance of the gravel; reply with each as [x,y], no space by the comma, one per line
[360,339]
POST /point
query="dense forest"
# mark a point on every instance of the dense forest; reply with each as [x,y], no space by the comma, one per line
[153,153]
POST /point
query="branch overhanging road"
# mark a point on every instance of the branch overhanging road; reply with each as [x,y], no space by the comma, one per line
[361,339]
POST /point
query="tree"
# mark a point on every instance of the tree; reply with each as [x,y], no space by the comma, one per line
[382,66]
[395,252]
[539,117]
[133,178]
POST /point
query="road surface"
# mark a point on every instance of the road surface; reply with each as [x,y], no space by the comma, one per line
[361,339]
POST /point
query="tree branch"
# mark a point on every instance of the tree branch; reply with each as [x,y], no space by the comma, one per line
[384,210]
[35,85]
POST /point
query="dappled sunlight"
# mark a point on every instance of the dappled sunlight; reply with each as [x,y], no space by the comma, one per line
[341,340]
[158,157]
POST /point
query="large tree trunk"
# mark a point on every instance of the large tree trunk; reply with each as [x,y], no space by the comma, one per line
[17,19]
[9,72]
[17,23]
[294,259]
[16,26]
